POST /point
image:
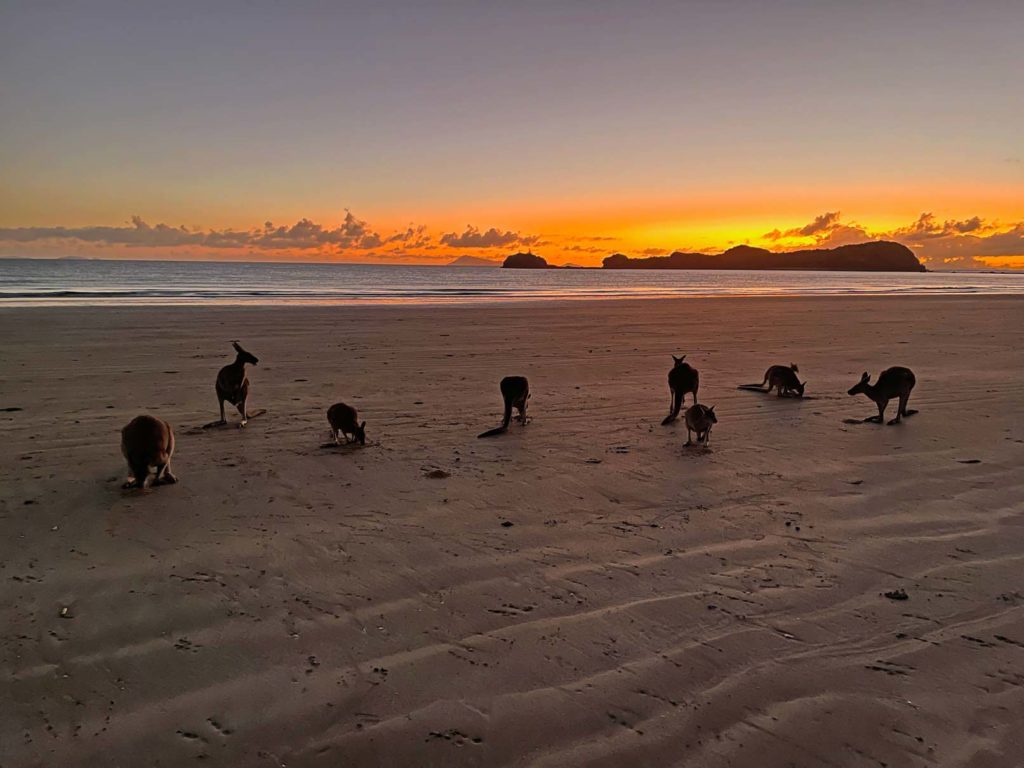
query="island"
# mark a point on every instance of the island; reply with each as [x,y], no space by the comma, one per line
[526,261]
[473,261]
[877,256]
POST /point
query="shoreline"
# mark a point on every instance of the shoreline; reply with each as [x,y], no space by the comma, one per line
[504,304]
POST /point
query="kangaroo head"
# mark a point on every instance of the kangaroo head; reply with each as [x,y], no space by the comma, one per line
[360,433]
[711,415]
[800,387]
[243,356]
[678,360]
[862,385]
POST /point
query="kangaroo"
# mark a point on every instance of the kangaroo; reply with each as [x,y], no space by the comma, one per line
[784,380]
[515,390]
[682,379]
[344,419]
[233,385]
[699,419]
[148,442]
[892,382]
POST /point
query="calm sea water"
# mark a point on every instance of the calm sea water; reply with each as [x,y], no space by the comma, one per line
[27,282]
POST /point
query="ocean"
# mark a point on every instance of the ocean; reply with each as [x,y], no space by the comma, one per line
[72,282]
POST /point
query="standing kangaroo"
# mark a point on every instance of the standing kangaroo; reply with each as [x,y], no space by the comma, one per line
[148,442]
[344,419]
[515,391]
[233,385]
[699,419]
[892,382]
[682,379]
[784,380]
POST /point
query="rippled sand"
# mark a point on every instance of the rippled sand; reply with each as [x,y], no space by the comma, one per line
[581,591]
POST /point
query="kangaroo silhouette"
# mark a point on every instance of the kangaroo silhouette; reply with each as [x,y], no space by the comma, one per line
[148,442]
[515,391]
[783,379]
[683,379]
[233,384]
[344,419]
[892,382]
[699,419]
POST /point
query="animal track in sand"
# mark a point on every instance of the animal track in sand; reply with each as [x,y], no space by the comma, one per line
[456,737]
[222,730]
[508,609]
[184,644]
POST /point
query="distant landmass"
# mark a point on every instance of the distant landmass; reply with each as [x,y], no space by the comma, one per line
[879,256]
[473,261]
[526,261]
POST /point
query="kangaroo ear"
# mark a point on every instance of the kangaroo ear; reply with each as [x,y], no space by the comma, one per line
[712,409]
[237,346]
[865,377]
[363,425]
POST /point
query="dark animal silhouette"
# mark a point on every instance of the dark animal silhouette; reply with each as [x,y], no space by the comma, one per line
[233,385]
[783,379]
[148,442]
[699,419]
[344,419]
[515,391]
[683,379]
[892,382]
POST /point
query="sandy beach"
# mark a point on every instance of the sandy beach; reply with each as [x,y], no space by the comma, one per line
[579,591]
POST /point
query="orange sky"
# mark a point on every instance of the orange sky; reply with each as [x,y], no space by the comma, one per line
[572,129]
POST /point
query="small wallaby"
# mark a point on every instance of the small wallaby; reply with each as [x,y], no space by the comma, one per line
[148,442]
[515,391]
[344,419]
[783,379]
[892,382]
[233,385]
[699,419]
[683,379]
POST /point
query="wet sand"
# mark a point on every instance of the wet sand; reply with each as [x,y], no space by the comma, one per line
[579,591]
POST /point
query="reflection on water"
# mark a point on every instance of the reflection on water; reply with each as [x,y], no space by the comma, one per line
[25,282]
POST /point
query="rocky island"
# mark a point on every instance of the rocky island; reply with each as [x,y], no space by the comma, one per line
[878,256]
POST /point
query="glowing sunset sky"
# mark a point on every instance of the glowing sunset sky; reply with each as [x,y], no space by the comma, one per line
[575,129]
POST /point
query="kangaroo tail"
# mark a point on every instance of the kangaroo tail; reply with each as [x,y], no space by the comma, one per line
[674,407]
[504,422]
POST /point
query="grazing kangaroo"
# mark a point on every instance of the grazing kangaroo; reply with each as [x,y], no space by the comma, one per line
[682,379]
[233,385]
[892,382]
[148,442]
[344,419]
[515,390]
[784,380]
[699,419]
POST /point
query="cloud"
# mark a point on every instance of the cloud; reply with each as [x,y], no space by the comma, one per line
[492,238]
[821,224]
[304,235]
[972,242]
